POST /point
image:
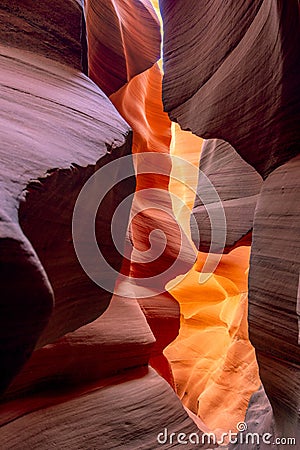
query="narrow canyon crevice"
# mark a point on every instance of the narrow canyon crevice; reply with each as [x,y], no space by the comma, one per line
[192,144]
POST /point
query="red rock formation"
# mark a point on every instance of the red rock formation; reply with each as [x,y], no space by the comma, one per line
[152,133]
[213,362]
[73,380]
[92,352]
[42,27]
[53,143]
[273,287]
[226,183]
[125,412]
[231,72]
[96,376]
[87,384]
[162,313]
[123,40]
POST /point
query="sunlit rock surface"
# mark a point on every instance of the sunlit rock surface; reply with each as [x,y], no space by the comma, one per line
[152,206]
[231,72]
[77,370]
[152,134]
[212,359]
[213,362]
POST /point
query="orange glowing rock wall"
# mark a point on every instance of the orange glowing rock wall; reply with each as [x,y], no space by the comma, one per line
[232,73]
[81,378]
[219,308]
[88,383]
[212,359]
[212,351]
[140,104]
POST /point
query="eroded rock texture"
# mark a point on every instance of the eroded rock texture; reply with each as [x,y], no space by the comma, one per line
[57,127]
[87,384]
[213,362]
[104,417]
[225,182]
[52,29]
[162,313]
[152,205]
[92,352]
[96,376]
[259,419]
[273,288]
[123,40]
[231,72]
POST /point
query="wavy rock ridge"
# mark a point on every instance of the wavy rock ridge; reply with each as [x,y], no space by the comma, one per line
[80,363]
[77,357]
[241,85]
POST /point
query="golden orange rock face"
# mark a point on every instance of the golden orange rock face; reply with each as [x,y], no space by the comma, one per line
[194,333]
[212,360]
[139,102]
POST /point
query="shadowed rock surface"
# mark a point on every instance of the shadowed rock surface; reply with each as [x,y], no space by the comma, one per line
[93,352]
[127,412]
[51,29]
[123,40]
[232,72]
[225,174]
[56,127]
[260,422]
[87,384]
[273,288]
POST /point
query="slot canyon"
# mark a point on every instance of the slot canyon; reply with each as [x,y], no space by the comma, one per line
[150,224]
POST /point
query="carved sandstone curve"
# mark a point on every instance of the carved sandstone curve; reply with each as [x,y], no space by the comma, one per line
[231,72]
[123,40]
[56,125]
[237,185]
[273,288]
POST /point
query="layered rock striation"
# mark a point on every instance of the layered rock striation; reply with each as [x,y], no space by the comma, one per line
[92,356]
[53,142]
[231,73]
[71,372]
[227,183]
